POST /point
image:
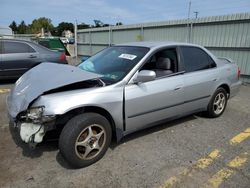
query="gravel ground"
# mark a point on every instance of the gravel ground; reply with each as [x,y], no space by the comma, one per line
[149,158]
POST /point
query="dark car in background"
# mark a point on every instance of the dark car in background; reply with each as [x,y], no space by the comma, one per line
[71,41]
[18,56]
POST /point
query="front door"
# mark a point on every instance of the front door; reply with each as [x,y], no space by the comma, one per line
[154,101]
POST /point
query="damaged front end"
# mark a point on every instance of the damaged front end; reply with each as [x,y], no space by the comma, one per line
[33,125]
[32,120]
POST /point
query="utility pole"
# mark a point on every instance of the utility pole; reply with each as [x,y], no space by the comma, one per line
[188,22]
[196,14]
[189,8]
[42,32]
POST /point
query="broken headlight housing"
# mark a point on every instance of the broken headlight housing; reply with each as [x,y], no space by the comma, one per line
[35,113]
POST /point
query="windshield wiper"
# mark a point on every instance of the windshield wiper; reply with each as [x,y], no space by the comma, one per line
[101,82]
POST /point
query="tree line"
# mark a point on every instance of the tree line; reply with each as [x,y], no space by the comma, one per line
[46,23]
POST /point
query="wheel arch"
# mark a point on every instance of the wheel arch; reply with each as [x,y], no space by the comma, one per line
[226,87]
[94,109]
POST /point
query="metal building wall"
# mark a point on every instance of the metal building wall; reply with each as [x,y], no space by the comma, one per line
[225,36]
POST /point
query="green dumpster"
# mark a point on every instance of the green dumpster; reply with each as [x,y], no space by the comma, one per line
[53,44]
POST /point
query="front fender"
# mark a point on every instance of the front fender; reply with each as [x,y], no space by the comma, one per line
[109,99]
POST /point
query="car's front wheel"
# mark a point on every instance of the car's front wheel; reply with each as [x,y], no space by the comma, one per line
[85,139]
[217,103]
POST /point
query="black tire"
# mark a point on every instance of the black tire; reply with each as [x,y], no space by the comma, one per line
[73,131]
[211,112]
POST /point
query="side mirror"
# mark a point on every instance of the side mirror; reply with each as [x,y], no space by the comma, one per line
[145,76]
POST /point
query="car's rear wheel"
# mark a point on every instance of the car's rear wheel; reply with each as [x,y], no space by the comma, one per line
[218,103]
[85,139]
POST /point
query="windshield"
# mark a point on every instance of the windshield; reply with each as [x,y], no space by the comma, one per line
[114,63]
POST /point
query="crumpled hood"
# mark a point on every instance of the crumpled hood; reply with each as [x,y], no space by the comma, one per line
[42,78]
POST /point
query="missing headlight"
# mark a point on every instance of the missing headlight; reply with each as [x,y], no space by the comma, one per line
[35,113]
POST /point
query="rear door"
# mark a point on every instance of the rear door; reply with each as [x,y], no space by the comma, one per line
[199,78]
[17,58]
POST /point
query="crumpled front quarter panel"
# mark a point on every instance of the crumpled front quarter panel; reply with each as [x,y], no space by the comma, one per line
[109,98]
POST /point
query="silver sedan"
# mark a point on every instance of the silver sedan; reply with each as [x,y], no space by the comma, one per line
[120,90]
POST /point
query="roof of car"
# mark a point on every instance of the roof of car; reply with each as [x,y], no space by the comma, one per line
[17,40]
[153,44]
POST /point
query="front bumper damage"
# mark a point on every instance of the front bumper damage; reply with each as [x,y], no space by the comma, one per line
[32,133]
[32,125]
[31,120]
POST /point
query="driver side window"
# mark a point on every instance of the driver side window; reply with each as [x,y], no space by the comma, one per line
[163,62]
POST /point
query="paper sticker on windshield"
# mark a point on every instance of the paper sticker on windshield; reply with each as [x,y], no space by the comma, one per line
[128,56]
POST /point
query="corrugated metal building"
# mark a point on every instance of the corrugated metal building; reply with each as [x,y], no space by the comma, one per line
[225,36]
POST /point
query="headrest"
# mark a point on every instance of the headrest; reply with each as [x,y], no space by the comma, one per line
[163,63]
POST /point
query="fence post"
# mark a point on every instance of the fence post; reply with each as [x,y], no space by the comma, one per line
[76,40]
[191,32]
[109,35]
[142,33]
[90,43]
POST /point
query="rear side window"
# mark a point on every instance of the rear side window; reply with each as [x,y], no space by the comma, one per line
[196,59]
[17,47]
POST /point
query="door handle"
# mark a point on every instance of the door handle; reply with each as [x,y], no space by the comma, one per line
[32,56]
[177,88]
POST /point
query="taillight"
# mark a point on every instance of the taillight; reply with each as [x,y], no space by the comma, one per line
[238,73]
[62,57]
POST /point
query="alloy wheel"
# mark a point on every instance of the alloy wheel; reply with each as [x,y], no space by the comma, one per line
[219,103]
[90,142]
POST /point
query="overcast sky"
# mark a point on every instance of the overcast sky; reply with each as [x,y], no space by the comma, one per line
[112,11]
